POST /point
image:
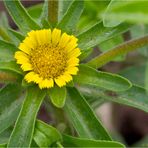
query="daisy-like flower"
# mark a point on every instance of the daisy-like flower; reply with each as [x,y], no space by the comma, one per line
[48,57]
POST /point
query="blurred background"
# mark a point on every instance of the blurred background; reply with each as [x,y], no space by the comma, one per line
[127,124]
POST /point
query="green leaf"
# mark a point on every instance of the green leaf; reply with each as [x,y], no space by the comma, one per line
[4,34]
[85,54]
[90,76]
[121,49]
[4,19]
[108,45]
[135,97]
[24,127]
[35,11]
[70,141]
[9,105]
[140,30]
[3,26]
[9,114]
[98,33]
[40,139]
[11,66]
[83,118]
[119,11]
[8,94]
[71,17]
[58,96]
[4,145]
[133,75]
[7,51]
[63,7]
[16,37]
[45,135]
[44,13]
[21,16]
[4,136]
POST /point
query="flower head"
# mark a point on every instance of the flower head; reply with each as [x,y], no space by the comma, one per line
[48,56]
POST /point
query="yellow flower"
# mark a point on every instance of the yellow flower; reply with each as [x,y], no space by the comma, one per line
[48,57]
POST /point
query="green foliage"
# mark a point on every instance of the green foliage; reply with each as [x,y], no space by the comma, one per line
[7,51]
[99,26]
[45,135]
[25,22]
[10,66]
[81,142]
[58,96]
[102,79]
[136,96]
[26,119]
[10,105]
[119,11]
[71,17]
[83,118]
[98,33]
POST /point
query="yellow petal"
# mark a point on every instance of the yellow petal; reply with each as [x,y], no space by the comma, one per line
[48,36]
[64,40]
[71,45]
[67,77]
[42,37]
[29,77]
[60,82]
[26,66]
[56,34]
[73,62]
[74,53]
[24,48]
[72,70]
[37,79]
[46,83]
[31,41]
[21,57]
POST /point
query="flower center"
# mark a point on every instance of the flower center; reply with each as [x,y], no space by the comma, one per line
[47,61]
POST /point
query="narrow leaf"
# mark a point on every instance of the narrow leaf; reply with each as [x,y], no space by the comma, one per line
[63,7]
[45,135]
[16,37]
[11,66]
[90,76]
[58,96]
[40,139]
[4,34]
[119,11]
[7,51]
[9,105]
[98,33]
[23,131]
[9,114]
[136,96]
[70,141]
[35,11]
[8,94]
[135,73]
[44,13]
[71,17]
[20,16]
[83,118]
[117,51]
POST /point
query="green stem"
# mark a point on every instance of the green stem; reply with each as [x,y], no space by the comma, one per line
[4,35]
[53,11]
[124,48]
